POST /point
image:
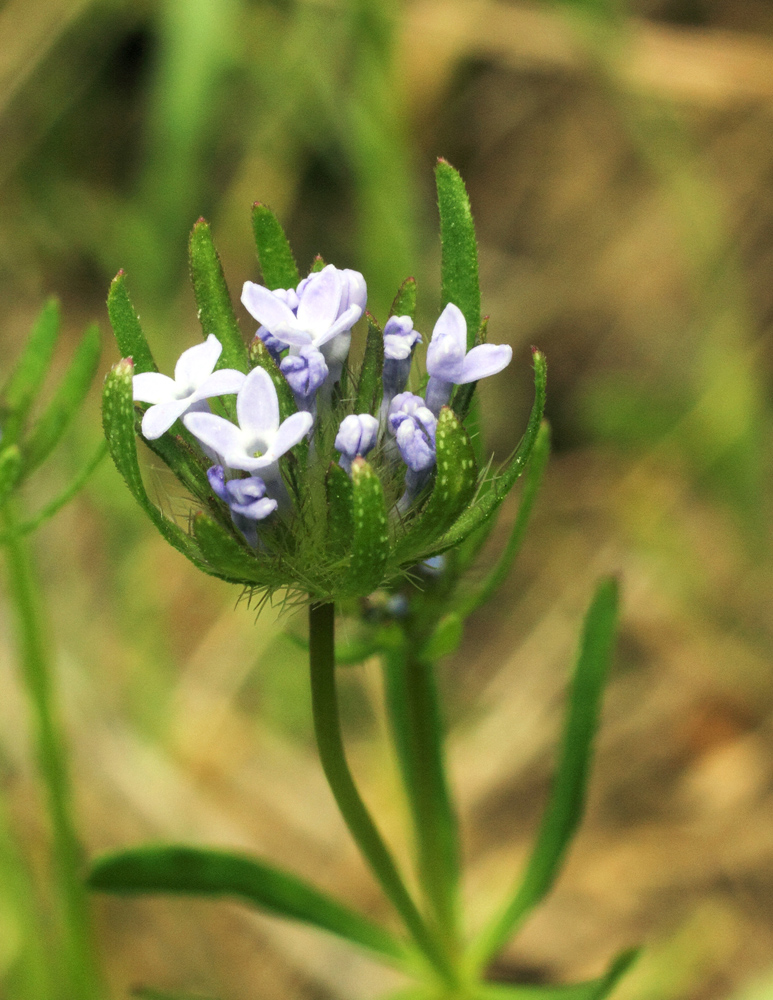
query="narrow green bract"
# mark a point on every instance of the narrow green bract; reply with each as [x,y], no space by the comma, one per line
[274,254]
[459,248]
[369,387]
[216,312]
[126,327]
[370,534]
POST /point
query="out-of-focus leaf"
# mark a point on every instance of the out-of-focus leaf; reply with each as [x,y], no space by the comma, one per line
[10,470]
[216,312]
[593,989]
[446,637]
[503,565]
[67,400]
[567,798]
[26,379]
[203,872]
[459,249]
[274,254]
[126,327]
[369,387]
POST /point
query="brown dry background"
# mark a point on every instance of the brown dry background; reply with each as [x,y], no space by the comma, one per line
[622,183]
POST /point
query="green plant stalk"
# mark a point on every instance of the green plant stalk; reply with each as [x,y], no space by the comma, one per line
[327,727]
[415,714]
[79,963]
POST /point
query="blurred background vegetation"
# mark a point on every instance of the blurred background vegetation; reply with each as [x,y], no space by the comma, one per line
[620,166]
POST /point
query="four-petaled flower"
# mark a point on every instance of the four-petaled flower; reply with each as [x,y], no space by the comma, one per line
[449,363]
[195,380]
[260,439]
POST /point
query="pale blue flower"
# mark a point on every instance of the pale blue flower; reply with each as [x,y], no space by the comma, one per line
[260,439]
[357,435]
[330,302]
[449,363]
[400,339]
[305,372]
[413,426]
[246,499]
[195,380]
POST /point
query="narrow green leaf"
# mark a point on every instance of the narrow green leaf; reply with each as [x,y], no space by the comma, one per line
[567,798]
[503,565]
[340,516]
[26,379]
[202,872]
[260,357]
[118,423]
[58,502]
[67,400]
[369,387]
[216,312]
[489,500]
[593,989]
[274,254]
[10,470]
[126,327]
[405,301]
[226,556]
[464,394]
[370,536]
[456,480]
[459,250]
[318,264]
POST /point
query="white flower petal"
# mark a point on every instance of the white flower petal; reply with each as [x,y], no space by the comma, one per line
[320,301]
[257,406]
[221,436]
[484,360]
[291,432]
[153,387]
[195,364]
[220,383]
[267,308]
[159,418]
[343,324]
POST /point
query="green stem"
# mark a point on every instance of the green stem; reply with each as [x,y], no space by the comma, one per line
[79,962]
[327,726]
[414,710]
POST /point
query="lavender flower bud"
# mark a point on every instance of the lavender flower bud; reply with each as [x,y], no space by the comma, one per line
[305,372]
[357,434]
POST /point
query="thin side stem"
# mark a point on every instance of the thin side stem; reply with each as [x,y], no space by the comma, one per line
[327,726]
[78,958]
[414,710]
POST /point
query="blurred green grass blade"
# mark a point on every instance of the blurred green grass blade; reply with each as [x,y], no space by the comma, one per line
[369,387]
[459,249]
[126,327]
[26,379]
[10,470]
[275,256]
[567,798]
[404,303]
[593,989]
[491,497]
[370,536]
[216,312]
[533,480]
[59,501]
[67,401]
[204,872]
[118,423]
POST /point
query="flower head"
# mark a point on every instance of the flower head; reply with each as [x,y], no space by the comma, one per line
[260,439]
[305,372]
[194,381]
